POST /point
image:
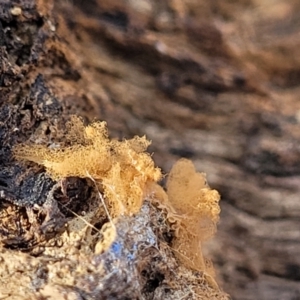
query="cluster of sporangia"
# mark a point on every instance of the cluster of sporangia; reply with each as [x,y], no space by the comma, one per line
[125,171]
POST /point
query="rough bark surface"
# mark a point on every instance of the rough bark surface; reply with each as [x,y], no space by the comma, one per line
[217,83]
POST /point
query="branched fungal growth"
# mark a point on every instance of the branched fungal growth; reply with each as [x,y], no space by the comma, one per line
[193,210]
[125,172]
[198,206]
[121,168]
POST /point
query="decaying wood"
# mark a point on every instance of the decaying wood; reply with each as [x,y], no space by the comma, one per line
[217,83]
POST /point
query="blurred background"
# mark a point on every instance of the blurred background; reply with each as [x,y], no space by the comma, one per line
[217,82]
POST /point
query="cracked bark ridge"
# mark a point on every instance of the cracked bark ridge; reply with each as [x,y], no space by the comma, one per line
[43,80]
[217,82]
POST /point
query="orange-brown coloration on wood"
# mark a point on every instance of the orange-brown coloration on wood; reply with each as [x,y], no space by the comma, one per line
[127,174]
[193,210]
[121,168]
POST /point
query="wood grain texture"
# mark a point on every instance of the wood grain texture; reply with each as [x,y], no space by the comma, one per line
[216,82]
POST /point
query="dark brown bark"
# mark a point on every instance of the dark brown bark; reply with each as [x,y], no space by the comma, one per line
[217,83]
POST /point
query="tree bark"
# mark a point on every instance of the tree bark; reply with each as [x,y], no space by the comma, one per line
[217,83]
